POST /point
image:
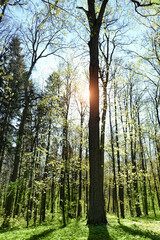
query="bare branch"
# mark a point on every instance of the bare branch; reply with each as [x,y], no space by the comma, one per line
[84,10]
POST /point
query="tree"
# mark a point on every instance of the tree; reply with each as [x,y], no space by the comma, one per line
[115,195]
[82,106]
[96,214]
[37,42]
[51,101]
[11,93]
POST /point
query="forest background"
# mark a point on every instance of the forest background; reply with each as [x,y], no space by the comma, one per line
[44,110]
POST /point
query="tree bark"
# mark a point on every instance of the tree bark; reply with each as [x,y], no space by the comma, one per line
[96,213]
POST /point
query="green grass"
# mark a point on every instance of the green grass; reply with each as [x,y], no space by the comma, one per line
[129,229]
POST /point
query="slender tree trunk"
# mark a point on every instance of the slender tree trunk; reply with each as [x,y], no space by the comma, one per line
[74,190]
[63,171]
[115,195]
[124,127]
[121,187]
[52,196]
[36,188]
[109,195]
[80,167]
[152,198]
[133,156]
[145,202]
[44,188]
[87,185]
[155,182]
[19,193]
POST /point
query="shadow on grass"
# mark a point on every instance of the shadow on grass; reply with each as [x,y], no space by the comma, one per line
[43,234]
[8,229]
[98,232]
[137,231]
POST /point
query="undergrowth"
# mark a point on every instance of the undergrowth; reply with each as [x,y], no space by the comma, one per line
[147,228]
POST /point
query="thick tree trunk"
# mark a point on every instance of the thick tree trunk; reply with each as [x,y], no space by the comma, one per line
[96,214]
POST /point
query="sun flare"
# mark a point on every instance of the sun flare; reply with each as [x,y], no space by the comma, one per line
[85,93]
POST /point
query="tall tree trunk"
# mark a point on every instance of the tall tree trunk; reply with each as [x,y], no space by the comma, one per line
[87,185]
[115,195]
[121,187]
[104,107]
[96,213]
[63,171]
[13,177]
[132,128]
[52,196]
[44,188]
[144,180]
[109,195]
[152,198]
[124,127]
[80,167]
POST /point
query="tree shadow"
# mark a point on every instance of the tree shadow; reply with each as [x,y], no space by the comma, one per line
[43,234]
[98,232]
[137,231]
[8,229]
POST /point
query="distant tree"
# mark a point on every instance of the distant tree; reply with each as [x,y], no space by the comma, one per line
[11,93]
[51,103]
[82,108]
[37,42]
[65,197]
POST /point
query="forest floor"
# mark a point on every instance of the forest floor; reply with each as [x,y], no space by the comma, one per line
[130,228]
